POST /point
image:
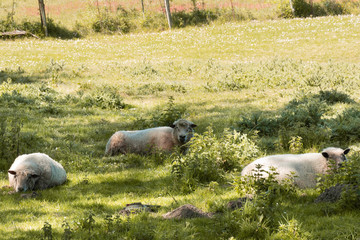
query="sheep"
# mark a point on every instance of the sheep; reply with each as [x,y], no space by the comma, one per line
[147,141]
[35,171]
[305,166]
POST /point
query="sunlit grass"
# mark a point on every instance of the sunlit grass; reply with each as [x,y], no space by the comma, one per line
[218,73]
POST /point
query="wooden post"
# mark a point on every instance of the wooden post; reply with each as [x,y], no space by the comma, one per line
[142,6]
[43,16]
[168,13]
[292,7]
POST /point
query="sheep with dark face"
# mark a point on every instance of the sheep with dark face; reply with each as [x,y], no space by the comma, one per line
[305,166]
[152,139]
[35,171]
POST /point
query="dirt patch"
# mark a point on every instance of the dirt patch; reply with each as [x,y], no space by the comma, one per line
[186,211]
[333,194]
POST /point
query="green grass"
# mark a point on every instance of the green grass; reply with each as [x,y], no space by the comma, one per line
[217,74]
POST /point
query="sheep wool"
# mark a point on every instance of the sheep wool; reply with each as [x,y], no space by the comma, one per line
[35,171]
[305,166]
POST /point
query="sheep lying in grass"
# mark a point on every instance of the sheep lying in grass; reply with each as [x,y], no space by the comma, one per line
[35,171]
[147,140]
[305,166]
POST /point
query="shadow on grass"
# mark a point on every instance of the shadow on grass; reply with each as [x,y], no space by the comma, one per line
[19,76]
[17,215]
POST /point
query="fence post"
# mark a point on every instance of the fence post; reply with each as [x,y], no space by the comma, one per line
[43,16]
[168,13]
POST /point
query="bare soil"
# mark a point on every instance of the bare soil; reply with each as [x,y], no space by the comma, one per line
[186,211]
[332,194]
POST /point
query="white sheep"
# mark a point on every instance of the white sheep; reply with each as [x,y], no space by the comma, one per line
[305,166]
[152,139]
[35,171]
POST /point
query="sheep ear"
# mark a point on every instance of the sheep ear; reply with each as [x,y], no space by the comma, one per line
[12,172]
[172,126]
[325,154]
[346,151]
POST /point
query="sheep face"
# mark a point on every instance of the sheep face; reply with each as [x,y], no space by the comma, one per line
[183,130]
[336,154]
[23,181]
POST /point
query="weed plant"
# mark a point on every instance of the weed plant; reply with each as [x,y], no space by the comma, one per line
[210,157]
[305,118]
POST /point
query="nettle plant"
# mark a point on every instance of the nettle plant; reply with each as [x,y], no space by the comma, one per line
[267,193]
[347,176]
[258,184]
[210,157]
[347,173]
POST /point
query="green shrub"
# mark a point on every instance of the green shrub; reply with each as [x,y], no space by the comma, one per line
[209,157]
[304,112]
[333,96]
[170,113]
[152,21]
[107,23]
[258,121]
[163,115]
[332,7]
[302,8]
[311,136]
[345,127]
[105,97]
[299,118]
[193,18]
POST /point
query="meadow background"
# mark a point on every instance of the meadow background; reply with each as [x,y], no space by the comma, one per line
[253,85]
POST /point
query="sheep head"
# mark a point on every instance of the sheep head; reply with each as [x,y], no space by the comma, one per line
[336,154]
[23,181]
[183,130]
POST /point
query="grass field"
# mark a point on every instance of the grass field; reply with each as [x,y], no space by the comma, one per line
[69,96]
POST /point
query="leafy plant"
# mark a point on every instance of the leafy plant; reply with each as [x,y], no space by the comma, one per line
[68,232]
[209,157]
[105,97]
[344,128]
[295,144]
[47,231]
[88,223]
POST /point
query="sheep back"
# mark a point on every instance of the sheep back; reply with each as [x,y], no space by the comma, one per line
[305,166]
[141,141]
